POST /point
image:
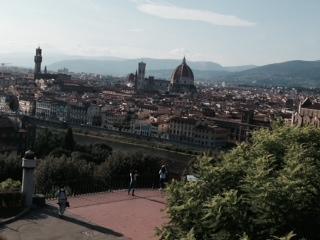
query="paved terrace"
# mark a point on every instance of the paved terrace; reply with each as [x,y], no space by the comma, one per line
[110,216]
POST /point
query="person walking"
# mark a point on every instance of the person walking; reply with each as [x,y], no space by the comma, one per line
[163,174]
[62,200]
[133,180]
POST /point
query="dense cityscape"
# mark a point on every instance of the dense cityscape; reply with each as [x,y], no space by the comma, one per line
[177,111]
[159,120]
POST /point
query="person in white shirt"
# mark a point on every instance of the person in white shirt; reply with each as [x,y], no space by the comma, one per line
[163,176]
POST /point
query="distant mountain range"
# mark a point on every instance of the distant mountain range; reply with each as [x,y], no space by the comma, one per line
[292,73]
[161,68]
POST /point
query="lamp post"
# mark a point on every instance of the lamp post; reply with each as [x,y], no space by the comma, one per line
[28,166]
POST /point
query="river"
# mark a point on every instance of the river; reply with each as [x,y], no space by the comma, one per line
[178,161]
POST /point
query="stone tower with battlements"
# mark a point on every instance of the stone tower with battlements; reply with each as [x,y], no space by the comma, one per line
[37,61]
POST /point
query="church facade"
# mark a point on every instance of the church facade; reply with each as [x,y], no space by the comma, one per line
[307,114]
[182,80]
[150,84]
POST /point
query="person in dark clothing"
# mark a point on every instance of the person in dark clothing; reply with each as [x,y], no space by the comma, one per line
[133,180]
[62,200]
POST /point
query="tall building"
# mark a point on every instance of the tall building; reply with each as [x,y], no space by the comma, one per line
[59,78]
[37,61]
[182,79]
[140,80]
[150,84]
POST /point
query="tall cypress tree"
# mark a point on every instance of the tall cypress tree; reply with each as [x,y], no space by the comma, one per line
[69,141]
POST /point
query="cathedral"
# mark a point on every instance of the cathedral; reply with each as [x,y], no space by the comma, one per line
[308,114]
[150,84]
[182,80]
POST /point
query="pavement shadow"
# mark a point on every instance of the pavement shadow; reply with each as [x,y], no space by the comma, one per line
[150,199]
[53,212]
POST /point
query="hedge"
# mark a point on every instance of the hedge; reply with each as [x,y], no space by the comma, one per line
[11,200]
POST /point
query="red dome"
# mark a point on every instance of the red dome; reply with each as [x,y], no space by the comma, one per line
[183,75]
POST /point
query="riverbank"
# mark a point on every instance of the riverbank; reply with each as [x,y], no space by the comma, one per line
[124,144]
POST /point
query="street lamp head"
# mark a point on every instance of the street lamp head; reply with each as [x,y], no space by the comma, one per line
[29,155]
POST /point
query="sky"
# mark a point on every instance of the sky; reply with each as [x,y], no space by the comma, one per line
[229,32]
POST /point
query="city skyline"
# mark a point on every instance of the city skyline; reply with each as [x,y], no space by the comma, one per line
[226,32]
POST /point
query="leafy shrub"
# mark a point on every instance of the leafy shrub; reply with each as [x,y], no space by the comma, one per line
[118,166]
[52,172]
[59,152]
[101,152]
[10,185]
[10,167]
[46,141]
[266,188]
[68,140]
[11,200]
[96,153]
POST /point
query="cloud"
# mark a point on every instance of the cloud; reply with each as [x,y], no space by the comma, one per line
[178,52]
[169,11]
[136,30]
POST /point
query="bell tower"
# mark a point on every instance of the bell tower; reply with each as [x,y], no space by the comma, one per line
[37,61]
[141,75]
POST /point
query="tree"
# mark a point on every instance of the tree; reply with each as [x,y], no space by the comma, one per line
[10,167]
[266,188]
[100,152]
[51,172]
[46,141]
[118,166]
[68,140]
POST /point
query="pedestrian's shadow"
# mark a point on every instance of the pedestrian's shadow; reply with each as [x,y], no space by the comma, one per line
[53,212]
[150,199]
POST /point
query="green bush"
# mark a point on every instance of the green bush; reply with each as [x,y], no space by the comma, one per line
[10,167]
[69,142]
[120,164]
[59,152]
[96,153]
[10,185]
[259,190]
[11,200]
[52,172]
[101,152]
[46,141]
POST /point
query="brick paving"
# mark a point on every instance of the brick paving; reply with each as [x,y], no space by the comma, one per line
[44,224]
[134,217]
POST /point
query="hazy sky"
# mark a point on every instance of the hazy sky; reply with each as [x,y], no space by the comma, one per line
[230,32]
